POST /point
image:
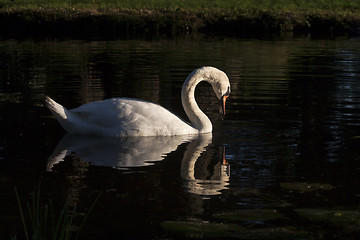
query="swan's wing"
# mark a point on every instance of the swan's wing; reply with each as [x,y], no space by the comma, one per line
[130,117]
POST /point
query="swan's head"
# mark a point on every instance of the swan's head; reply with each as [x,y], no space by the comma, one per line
[221,86]
[218,80]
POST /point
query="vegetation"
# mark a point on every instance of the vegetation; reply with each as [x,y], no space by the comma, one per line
[184,15]
[41,222]
[337,6]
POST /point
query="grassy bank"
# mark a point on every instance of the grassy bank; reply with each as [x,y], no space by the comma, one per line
[334,6]
[178,16]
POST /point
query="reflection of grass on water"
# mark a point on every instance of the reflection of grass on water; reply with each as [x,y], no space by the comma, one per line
[41,222]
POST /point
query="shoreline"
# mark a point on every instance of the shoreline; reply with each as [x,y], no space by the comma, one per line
[63,22]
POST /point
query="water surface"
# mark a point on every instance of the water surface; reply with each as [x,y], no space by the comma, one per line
[284,159]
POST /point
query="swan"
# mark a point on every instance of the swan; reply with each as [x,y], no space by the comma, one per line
[121,117]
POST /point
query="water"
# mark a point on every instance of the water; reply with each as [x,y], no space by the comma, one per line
[282,164]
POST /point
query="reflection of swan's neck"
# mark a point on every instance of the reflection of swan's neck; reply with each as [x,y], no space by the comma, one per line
[218,181]
[191,155]
[198,119]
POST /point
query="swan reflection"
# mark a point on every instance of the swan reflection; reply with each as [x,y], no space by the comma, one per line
[204,177]
[121,153]
[130,152]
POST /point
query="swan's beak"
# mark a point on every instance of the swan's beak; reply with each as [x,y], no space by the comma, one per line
[222,104]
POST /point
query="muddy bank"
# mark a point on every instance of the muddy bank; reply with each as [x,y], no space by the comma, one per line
[125,23]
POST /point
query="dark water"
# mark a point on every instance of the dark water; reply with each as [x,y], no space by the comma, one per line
[291,139]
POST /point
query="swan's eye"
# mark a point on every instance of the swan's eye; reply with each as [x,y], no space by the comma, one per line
[227,92]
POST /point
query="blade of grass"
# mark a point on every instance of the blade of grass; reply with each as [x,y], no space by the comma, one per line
[21,214]
[87,215]
[31,220]
[37,211]
[61,226]
[45,220]
[69,223]
[59,221]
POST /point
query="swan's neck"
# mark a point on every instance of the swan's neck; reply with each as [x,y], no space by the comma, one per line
[197,117]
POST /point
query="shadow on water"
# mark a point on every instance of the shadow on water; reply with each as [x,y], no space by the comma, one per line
[291,138]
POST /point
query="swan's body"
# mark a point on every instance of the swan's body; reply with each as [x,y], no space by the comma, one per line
[133,117]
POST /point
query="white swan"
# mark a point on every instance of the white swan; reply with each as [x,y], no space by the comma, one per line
[133,117]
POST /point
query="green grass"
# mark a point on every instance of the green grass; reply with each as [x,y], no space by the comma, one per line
[41,222]
[351,6]
[127,17]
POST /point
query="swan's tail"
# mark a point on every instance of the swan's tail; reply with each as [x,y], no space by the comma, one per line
[57,109]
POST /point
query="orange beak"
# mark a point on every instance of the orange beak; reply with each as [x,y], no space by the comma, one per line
[222,104]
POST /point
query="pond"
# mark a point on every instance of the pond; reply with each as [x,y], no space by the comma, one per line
[283,163]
